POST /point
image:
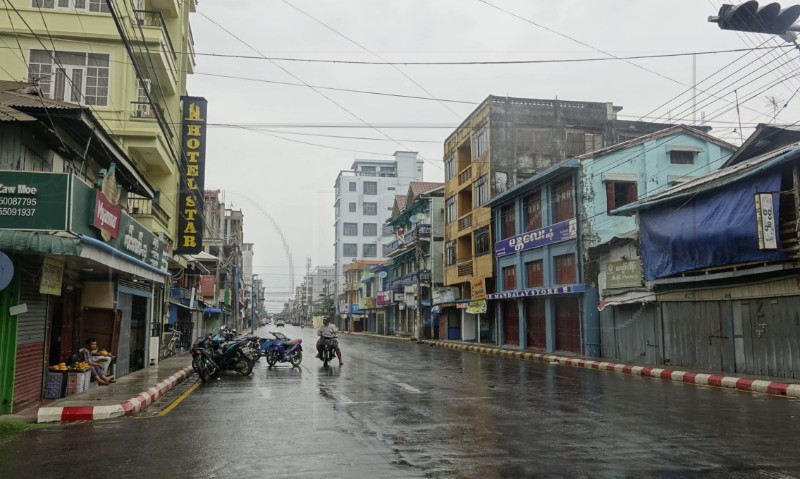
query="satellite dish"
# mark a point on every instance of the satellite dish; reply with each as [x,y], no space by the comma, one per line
[383,274]
[6,271]
[420,216]
[414,219]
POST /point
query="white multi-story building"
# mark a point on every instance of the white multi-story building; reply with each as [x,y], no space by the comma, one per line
[364,199]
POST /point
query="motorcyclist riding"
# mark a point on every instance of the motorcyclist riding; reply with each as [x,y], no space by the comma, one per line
[328,330]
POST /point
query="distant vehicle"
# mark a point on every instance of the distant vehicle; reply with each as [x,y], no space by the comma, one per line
[280,322]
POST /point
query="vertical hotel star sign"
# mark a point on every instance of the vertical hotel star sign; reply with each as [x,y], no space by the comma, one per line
[193,168]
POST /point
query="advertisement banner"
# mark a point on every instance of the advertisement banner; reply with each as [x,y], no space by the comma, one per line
[478,289]
[33,200]
[555,233]
[52,277]
[106,215]
[765,221]
[207,284]
[193,161]
[445,295]
[477,307]
[623,274]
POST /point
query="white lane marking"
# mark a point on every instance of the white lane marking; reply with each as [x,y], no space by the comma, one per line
[344,399]
[409,388]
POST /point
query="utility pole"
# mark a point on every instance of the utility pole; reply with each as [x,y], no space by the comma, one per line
[420,314]
[253,297]
[235,299]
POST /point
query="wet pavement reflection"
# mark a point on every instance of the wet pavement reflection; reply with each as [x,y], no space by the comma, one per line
[407,410]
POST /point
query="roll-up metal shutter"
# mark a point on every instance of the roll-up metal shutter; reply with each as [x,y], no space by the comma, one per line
[141,285]
[31,332]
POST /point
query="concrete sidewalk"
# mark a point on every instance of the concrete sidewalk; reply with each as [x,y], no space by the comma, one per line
[759,384]
[126,397]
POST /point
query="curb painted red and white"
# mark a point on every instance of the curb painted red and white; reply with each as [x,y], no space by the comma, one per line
[731,382]
[381,336]
[126,408]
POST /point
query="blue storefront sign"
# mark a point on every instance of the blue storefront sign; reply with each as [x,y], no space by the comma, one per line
[353,309]
[525,293]
[555,233]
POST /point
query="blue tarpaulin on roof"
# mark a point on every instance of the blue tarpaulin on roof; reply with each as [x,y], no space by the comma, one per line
[712,229]
[211,310]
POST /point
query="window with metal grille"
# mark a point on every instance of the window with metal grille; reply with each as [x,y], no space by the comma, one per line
[451,209]
[481,187]
[352,186]
[450,166]
[370,250]
[566,272]
[508,221]
[370,229]
[450,253]
[480,142]
[533,211]
[370,187]
[678,157]
[350,229]
[350,249]
[370,209]
[563,207]
[482,241]
[534,274]
[620,193]
[351,207]
[509,278]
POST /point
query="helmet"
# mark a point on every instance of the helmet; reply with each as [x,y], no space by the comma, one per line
[326,319]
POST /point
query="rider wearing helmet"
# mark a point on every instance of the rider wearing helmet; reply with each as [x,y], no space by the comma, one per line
[328,330]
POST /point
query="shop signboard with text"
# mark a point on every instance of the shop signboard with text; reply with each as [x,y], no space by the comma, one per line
[555,233]
[33,200]
[133,238]
[623,274]
[192,175]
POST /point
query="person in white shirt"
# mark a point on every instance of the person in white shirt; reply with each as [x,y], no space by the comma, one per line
[328,330]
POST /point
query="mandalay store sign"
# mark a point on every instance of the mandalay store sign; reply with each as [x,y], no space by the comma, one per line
[193,161]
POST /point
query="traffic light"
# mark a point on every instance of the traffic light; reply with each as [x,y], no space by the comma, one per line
[749,17]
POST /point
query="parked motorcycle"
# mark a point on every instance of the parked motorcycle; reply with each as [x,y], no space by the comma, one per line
[281,349]
[328,350]
[202,360]
[232,355]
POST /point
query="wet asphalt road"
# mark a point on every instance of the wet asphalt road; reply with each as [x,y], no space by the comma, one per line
[406,410]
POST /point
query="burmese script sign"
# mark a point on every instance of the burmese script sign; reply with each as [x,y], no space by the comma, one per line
[33,201]
[623,274]
[193,161]
[555,233]
[52,276]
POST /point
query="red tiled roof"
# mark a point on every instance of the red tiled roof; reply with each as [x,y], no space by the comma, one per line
[420,187]
[401,201]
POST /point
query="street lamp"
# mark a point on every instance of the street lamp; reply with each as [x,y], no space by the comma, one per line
[253,304]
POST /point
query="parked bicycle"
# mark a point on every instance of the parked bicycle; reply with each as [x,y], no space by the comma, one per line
[171,348]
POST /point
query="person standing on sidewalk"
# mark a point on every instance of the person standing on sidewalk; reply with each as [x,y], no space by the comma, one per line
[96,367]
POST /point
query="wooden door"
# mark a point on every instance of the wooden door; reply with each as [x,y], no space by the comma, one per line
[510,323]
[536,322]
[568,325]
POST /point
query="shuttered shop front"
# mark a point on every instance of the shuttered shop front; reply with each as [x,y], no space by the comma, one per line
[30,337]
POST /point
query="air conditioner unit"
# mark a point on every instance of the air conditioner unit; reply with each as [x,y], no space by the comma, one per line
[142,110]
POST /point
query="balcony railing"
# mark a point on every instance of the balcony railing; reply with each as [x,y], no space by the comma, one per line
[143,109]
[154,18]
[139,205]
[465,268]
[465,175]
[465,222]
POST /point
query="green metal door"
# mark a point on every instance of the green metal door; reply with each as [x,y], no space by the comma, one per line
[8,344]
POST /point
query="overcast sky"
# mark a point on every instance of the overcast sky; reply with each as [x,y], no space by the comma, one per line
[265,154]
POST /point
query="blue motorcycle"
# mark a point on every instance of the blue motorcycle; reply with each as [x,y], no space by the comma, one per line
[230,353]
[281,349]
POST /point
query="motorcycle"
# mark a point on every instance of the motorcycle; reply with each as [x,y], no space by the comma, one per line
[226,353]
[202,360]
[282,349]
[328,350]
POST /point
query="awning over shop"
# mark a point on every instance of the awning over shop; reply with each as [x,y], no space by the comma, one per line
[37,242]
[102,253]
[211,310]
[631,297]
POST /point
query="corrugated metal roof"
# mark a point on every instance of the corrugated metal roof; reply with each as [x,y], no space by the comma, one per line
[9,114]
[29,100]
[716,178]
